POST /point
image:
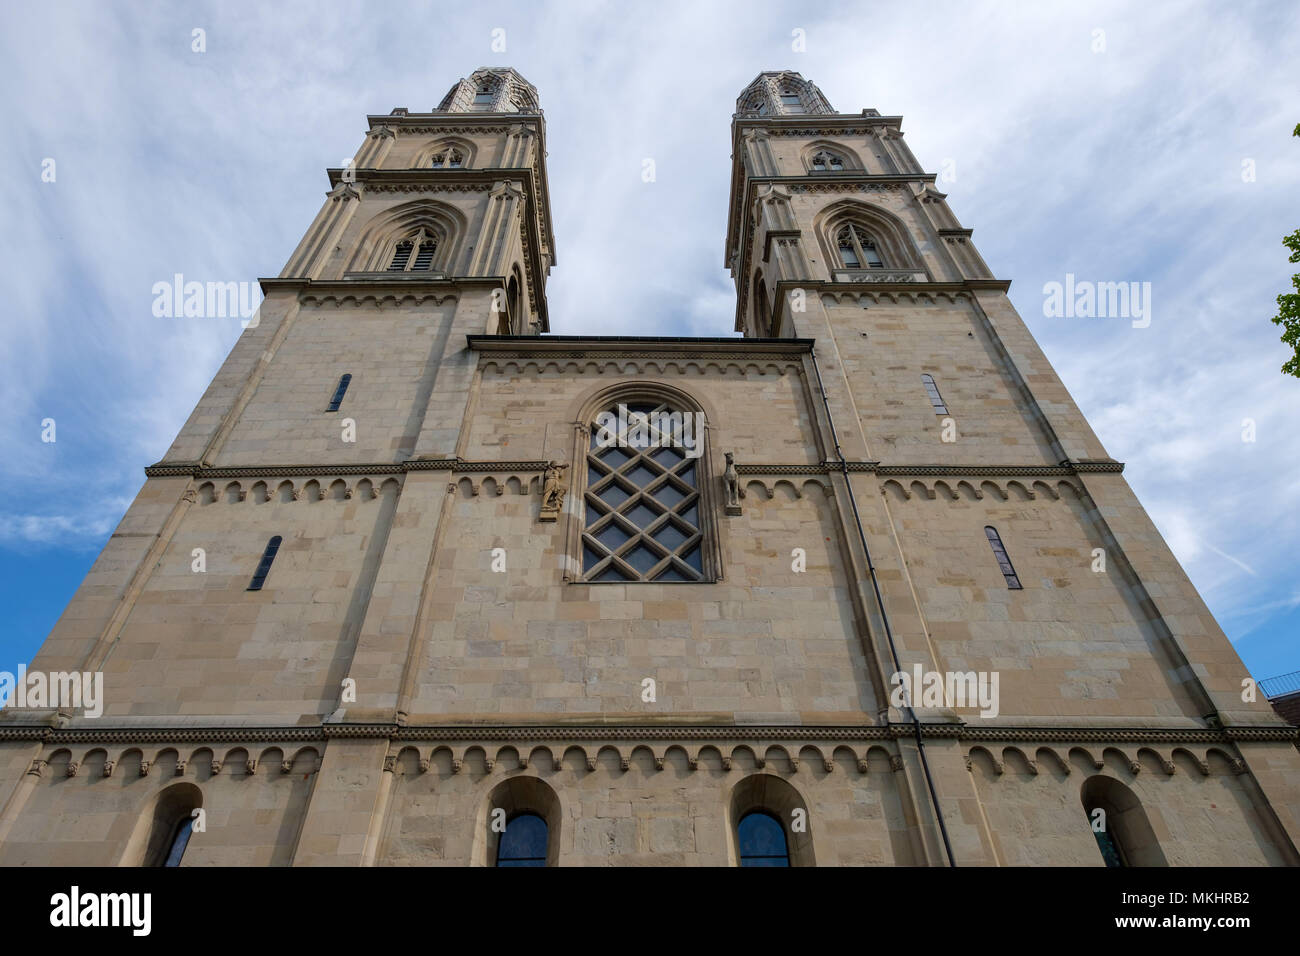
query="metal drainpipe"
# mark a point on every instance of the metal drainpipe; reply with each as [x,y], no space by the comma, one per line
[880,604]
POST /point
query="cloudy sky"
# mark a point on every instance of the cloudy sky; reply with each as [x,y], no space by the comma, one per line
[1112,141]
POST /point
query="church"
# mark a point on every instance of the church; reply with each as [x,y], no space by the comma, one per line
[424,582]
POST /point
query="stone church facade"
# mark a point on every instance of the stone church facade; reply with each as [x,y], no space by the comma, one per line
[390,589]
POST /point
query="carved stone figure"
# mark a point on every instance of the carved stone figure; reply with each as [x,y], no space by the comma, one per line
[553,489]
[732,481]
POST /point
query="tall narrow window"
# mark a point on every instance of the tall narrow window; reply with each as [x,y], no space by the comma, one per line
[857,248]
[524,842]
[935,398]
[508,323]
[337,399]
[401,255]
[180,840]
[762,840]
[643,502]
[1004,563]
[762,317]
[264,566]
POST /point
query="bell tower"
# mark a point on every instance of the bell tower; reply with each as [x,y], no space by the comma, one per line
[825,197]
[457,195]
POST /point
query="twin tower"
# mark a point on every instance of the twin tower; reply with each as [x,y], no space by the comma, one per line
[391,598]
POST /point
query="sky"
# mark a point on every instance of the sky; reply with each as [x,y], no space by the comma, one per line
[1115,142]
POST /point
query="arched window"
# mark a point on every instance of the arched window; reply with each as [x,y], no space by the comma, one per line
[424,244]
[1004,562]
[180,840]
[1119,824]
[533,820]
[826,162]
[449,158]
[761,840]
[524,841]
[936,400]
[769,823]
[643,505]
[264,566]
[337,399]
[171,825]
[857,248]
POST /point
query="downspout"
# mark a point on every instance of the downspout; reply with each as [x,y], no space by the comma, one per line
[880,605]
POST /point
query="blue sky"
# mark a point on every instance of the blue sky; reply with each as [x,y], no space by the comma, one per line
[1115,156]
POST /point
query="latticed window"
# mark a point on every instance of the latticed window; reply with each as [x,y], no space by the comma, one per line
[824,162]
[423,245]
[857,248]
[450,158]
[643,504]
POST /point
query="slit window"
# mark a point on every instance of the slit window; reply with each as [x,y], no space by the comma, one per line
[339,392]
[264,566]
[1004,562]
[936,399]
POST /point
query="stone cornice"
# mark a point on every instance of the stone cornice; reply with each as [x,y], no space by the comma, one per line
[460,466]
[379,288]
[507,733]
[453,465]
[580,346]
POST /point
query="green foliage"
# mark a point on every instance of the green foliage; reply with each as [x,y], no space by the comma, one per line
[1288,314]
[1288,304]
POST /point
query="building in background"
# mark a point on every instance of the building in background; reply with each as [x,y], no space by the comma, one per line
[420,584]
